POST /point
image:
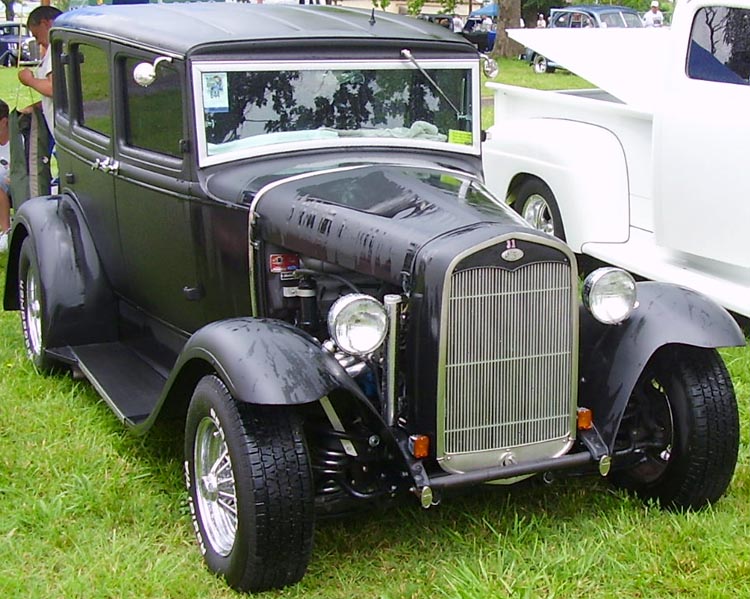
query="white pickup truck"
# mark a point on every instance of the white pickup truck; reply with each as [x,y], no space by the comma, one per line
[651,171]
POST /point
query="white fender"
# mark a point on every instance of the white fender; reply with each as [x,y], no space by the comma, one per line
[584,166]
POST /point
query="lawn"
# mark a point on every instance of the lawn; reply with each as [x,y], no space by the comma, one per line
[89,511]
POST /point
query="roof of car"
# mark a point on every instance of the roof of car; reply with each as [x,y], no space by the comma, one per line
[181,27]
[595,8]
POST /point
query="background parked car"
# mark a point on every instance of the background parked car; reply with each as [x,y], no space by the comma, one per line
[13,35]
[476,32]
[579,17]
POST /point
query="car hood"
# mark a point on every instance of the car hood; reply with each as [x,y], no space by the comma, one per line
[374,219]
[627,63]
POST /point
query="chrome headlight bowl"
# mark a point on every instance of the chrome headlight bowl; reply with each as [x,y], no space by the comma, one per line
[610,295]
[357,324]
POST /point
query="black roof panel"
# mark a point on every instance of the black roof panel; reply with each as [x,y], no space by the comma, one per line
[180,27]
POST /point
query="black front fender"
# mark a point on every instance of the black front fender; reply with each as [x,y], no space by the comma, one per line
[613,357]
[79,304]
[264,361]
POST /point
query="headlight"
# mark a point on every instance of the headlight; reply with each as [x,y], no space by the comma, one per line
[357,324]
[609,294]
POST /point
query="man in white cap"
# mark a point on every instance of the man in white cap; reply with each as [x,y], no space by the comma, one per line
[654,17]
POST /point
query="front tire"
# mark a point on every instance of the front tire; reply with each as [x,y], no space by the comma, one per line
[250,488]
[33,307]
[536,203]
[683,414]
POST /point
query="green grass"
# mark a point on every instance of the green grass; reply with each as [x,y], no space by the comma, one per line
[89,511]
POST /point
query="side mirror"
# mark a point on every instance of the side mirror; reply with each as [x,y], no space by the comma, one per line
[144,73]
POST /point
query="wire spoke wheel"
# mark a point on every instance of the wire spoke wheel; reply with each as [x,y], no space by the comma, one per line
[217,495]
[250,488]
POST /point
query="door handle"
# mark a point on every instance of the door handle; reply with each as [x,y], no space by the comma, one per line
[111,166]
[106,164]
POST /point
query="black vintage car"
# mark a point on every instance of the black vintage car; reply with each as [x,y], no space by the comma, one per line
[271,223]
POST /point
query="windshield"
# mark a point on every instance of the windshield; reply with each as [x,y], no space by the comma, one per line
[251,111]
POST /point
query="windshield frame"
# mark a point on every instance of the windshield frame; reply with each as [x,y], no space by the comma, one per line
[207,66]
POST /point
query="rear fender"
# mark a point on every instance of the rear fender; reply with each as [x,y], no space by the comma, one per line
[613,357]
[79,304]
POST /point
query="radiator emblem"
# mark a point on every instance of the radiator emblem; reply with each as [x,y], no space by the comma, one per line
[511,253]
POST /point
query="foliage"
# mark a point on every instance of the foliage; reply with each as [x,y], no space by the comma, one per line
[381,4]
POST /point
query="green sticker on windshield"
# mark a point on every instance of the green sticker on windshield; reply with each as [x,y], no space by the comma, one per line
[460,137]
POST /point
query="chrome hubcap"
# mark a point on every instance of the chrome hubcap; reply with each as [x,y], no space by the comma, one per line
[216,491]
[537,213]
[33,311]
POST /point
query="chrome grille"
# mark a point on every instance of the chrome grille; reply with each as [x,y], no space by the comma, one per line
[509,357]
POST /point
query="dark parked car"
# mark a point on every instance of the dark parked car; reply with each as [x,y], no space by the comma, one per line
[579,17]
[272,224]
[12,37]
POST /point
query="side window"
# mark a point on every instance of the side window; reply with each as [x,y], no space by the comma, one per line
[562,20]
[96,112]
[153,114]
[720,45]
[60,77]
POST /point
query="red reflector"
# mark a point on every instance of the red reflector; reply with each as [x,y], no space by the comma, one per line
[283,262]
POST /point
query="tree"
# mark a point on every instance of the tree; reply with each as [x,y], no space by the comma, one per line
[509,17]
[9,9]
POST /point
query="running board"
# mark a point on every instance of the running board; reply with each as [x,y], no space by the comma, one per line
[127,382]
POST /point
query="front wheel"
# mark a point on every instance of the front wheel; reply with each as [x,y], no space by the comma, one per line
[682,419]
[536,203]
[32,302]
[250,488]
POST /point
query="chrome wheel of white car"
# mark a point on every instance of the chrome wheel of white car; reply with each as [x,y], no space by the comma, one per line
[536,203]
[536,212]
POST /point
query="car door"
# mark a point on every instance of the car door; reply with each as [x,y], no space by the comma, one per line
[83,110]
[701,143]
[156,213]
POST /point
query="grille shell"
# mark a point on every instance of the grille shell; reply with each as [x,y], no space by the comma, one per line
[508,361]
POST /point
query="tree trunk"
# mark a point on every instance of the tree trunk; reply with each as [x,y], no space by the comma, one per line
[509,18]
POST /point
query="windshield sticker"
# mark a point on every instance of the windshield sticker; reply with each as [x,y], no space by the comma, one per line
[215,94]
[460,137]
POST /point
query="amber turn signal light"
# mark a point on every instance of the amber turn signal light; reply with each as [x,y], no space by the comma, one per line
[585,419]
[419,446]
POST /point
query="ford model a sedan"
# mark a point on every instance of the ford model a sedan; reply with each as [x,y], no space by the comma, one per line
[271,223]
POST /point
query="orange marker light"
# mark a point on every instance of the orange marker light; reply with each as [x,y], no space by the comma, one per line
[419,446]
[585,419]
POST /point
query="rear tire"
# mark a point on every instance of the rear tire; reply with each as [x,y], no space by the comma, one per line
[683,411]
[250,488]
[541,65]
[33,307]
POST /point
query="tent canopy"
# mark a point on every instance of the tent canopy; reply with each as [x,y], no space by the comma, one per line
[488,10]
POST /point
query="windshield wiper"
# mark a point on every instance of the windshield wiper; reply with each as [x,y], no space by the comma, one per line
[408,56]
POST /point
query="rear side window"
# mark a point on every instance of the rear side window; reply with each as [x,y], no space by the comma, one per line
[95,90]
[154,115]
[720,45]
[562,20]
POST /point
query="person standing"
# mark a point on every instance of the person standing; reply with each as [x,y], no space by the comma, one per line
[541,22]
[4,177]
[40,22]
[457,24]
[654,17]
